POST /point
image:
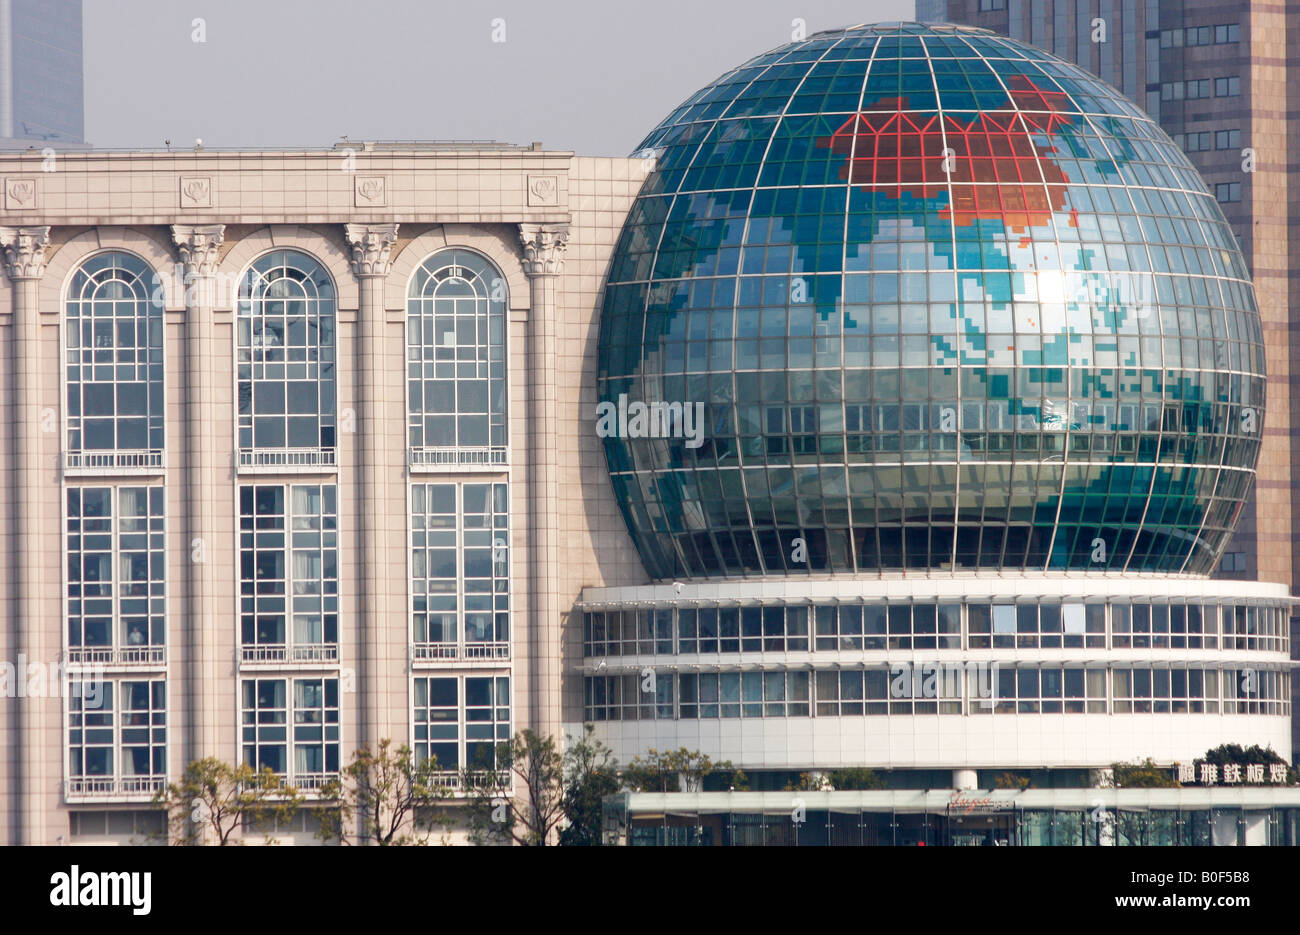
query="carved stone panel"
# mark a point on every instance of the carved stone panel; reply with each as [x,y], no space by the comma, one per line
[371,191]
[20,194]
[543,191]
[196,191]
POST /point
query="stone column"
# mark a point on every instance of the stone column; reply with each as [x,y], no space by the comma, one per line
[205,699]
[379,610]
[24,262]
[544,246]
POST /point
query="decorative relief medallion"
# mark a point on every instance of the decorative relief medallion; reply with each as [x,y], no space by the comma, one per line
[543,191]
[371,191]
[196,192]
[20,194]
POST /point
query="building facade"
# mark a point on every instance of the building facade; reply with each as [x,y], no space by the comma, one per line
[1220,78]
[284,460]
[888,409]
[944,301]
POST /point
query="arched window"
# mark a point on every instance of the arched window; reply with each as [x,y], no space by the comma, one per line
[285,362]
[456,366]
[114,340]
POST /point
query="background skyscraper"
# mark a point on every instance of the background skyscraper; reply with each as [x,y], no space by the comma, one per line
[1221,79]
[40,72]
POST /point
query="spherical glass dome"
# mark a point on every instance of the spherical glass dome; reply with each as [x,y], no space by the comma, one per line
[905,296]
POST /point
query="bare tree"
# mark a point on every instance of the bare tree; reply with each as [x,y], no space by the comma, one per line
[520,798]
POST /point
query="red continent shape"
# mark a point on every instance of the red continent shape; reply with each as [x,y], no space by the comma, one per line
[995,169]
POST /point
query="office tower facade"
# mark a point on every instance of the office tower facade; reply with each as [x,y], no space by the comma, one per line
[41,94]
[1220,78]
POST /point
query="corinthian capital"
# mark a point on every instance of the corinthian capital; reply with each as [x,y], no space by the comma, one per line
[24,251]
[371,244]
[198,246]
[544,248]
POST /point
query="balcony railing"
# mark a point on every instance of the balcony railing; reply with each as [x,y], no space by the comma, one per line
[286,460]
[111,656]
[113,786]
[299,652]
[310,782]
[484,458]
[451,780]
[430,652]
[303,783]
[134,461]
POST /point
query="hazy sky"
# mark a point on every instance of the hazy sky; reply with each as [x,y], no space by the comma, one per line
[592,76]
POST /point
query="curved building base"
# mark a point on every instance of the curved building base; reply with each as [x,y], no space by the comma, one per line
[939,673]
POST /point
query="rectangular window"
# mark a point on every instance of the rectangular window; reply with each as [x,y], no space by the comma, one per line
[1194,142]
[1199,35]
[1083,691]
[1227,87]
[291,725]
[460,720]
[289,589]
[1004,626]
[989,6]
[628,697]
[1233,561]
[853,627]
[1227,192]
[1164,691]
[1227,139]
[926,688]
[743,695]
[872,691]
[116,599]
[144,824]
[117,737]
[460,572]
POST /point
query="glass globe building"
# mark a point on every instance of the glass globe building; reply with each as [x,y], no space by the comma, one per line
[978,383]
[949,302]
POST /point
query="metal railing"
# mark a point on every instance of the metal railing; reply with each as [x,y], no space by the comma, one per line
[287,458]
[108,655]
[139,459]
[310,782]
[483,456]
[424,652]
[299,652]
[451,780]
[108,786]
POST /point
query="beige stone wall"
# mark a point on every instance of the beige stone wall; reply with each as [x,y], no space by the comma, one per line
[597,548]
